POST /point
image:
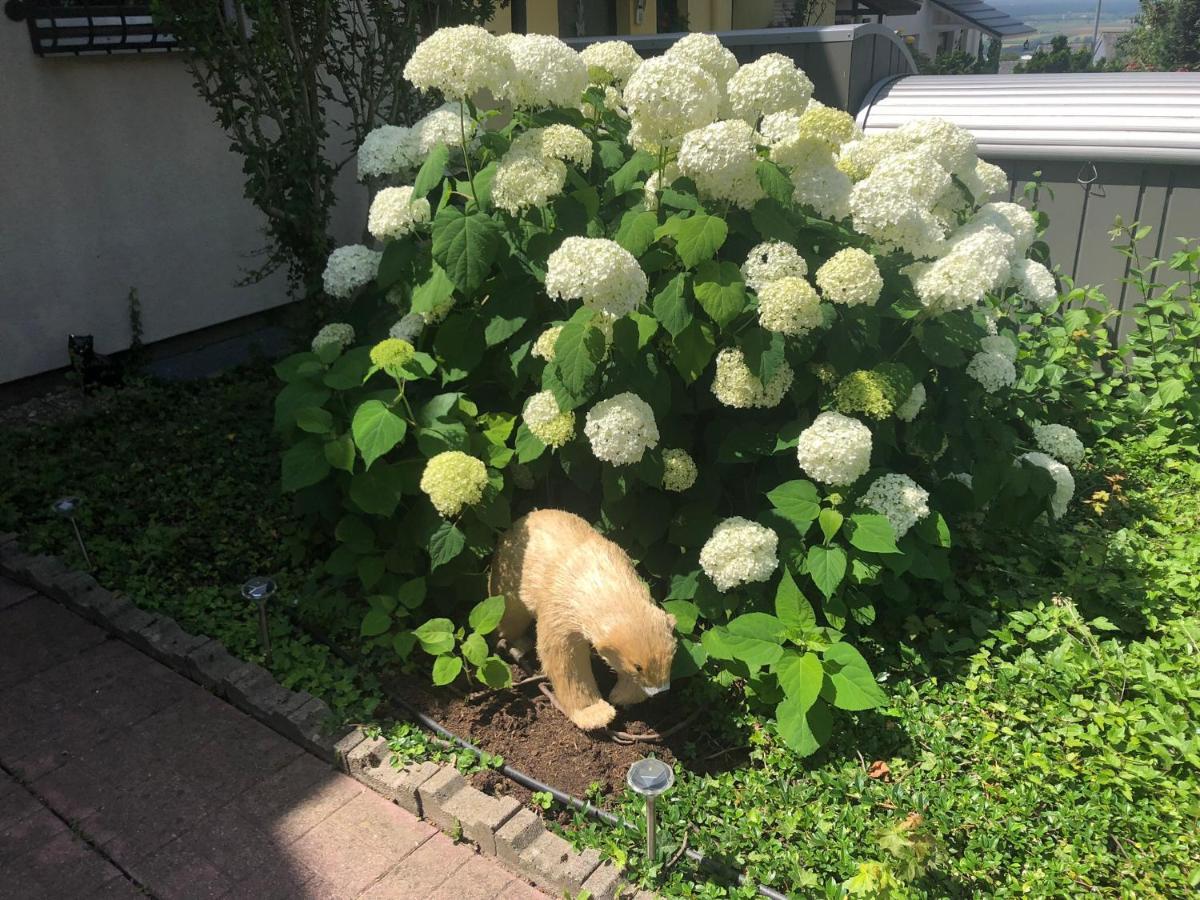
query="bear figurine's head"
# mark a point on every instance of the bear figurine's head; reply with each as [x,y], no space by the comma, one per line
[641,647]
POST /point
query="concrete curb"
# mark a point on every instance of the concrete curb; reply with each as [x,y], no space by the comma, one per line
[499,826]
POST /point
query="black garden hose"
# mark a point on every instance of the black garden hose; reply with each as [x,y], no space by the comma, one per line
[528,781]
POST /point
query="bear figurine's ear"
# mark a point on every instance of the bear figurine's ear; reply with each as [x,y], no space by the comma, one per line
[671,621]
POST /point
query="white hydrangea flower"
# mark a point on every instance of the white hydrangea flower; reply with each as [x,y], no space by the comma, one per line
[679,470]
[992,370]
[453,480]
[666,98]
[543,347]
[546,421]
[706,51]
[1001,344]
[779,126]
[823,188]
[975,264]
[621,429]
[770,261]
[617,58]
[986,181]
[387,150]
[1035,282]
[835,449]
[524,181]
[907,411]
[600,272]
[1061,442]
[445,125]
[1064,483]
[546,72]
[858,158]
[564,142]
[334,333]
[893,203]
[736,386]
[1011,218]
[408,328]
[770,84]
[739,552]
[850,277]
[953,146]
[722,159]
[395,213]
[899,499]
[832,127]
[789,306]
[349,268]
[799,154]
[460,62]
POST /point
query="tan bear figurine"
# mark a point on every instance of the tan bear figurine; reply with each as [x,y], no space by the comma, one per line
[582,589]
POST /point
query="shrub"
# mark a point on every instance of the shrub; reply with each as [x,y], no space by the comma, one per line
[768,356]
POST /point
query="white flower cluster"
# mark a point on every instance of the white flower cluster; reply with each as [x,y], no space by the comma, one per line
[524,181]
[907,411]
[407,329]
[349,268]
[789,306]
[722,158]
[453,480]
[832,127]
[621,429]
[835,449]
[899,499]
[395,213]
[679,470]
[667,97]
[654,184]
[334,333]
[780,126]
[1011,218]
[770,84]
[546,72]
[564,142]
[739,552]
[448,124]
[460,62]
[771,261]
[735,385]
[823,188]
[387,150]
[543,347]
[976,264]
[1064,483]
[1001,344]
[546,421]
[986,181]
[600,272]
[894,203]
[617,58]
[992,370]
[1061,442]
[850,277]
[1035,282]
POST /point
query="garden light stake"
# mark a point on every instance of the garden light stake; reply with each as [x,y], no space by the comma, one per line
[65,508]
[650,777]
[260,590]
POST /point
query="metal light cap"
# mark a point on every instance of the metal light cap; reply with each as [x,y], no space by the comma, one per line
[650,777]
[65,506]
[258,589]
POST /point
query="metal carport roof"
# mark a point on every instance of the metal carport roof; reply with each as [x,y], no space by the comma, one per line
[985,18]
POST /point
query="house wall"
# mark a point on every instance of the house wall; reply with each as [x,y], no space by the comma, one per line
[114,175]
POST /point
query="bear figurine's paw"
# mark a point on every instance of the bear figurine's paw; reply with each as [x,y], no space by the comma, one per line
[598,715]
[626,693]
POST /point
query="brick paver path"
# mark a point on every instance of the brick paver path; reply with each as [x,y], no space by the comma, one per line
[119,778]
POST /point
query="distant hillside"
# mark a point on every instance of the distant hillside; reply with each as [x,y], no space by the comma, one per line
[1074,18]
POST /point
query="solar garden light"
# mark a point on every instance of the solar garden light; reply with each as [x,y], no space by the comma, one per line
[260,590]
[650,777]
[64,508]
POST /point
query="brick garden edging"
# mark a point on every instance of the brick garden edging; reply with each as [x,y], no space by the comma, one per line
[499,826]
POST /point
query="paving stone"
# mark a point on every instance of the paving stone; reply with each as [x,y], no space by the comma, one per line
[516,834]
[545,861]
[309,726]
[399,784]
[40,857]
[42,570]
[39,633]
[301,795]
[479,878]
[13,592]
[67,584]
[102,606]
[481,816]
[604,883]
[244,851]
[253,689]
[178,871]
[436,795]
[360,842]
[367,754]
[117,888]
[210,665]
[170,644]
[422,871]
[127,622]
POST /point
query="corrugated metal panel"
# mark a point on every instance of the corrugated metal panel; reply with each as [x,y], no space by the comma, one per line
[1117,116]
[988,18]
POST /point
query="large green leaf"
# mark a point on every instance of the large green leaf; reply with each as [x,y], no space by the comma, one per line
[431,171]
[752,639]
[697,238]
[636,231]
[377,491]
[685,612]
[694,348]
[314,420]
[580,346]
[671,306]
[801,676]
[505,313]
[445,544]
[446,669]
[804,730]
[375,622]
[791,606]
[304,464]
[827,567]
[720,290]
[851,684]
[797,501]
[465,245]
[774,181]
[340,452]
[376,430]
[487,614]
[433,292]
[474,648]
[872,533]
[495,673]
[436,636]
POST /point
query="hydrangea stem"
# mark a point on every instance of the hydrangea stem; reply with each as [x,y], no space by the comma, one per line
[462,133]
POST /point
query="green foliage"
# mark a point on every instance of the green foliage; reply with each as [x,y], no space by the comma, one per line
[1060,58]
[1163,38]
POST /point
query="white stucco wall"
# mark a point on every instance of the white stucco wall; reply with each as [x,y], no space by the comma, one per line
[113,174]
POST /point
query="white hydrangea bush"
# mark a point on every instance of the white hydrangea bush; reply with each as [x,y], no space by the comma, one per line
[774,358]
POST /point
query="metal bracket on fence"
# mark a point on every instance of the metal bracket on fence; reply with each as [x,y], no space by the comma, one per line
[1085,182]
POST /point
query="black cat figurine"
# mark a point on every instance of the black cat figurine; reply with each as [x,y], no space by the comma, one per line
[94,369]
